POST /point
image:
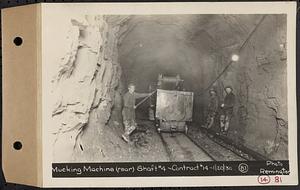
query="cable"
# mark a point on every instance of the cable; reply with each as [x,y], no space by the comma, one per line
[230,63]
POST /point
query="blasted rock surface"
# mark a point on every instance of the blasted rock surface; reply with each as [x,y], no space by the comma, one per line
[86,81]
[259,80]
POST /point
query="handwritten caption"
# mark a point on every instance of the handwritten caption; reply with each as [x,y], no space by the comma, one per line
[142,168]
[233,168]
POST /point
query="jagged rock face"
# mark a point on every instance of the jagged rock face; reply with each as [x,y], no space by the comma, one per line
[260,83]
[86,81]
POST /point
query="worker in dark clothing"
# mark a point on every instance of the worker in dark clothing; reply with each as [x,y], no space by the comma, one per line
[128,111]
[212,109]
[227,110]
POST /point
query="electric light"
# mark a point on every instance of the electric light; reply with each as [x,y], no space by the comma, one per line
[235,57]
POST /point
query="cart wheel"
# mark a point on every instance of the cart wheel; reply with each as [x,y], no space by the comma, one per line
[186,129]
[158,130]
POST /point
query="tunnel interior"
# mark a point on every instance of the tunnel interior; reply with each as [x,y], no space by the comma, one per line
[195,47]
[118,50]
[199,48]
[169,45]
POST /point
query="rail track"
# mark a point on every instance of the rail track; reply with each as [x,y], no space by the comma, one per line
[182,147]
[237,148]
[203,145]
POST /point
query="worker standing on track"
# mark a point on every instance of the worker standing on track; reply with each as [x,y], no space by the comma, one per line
[227,110]
[128,111]
[212,109]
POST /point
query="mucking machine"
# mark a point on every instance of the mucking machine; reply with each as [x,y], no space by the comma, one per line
[174,106]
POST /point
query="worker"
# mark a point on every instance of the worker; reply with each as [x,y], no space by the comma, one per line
[227,110]
[128,111]
[212,108]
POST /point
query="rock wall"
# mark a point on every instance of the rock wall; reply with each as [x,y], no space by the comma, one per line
[259,80]
[86,82]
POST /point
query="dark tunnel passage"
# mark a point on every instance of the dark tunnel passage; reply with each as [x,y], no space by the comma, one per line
[190,46]
[170,46]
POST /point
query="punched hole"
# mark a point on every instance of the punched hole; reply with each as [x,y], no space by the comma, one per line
[17,145]
[18,41]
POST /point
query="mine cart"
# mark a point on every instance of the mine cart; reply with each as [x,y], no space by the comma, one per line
[174,106]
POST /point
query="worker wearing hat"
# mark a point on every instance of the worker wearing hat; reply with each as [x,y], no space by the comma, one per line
[227,110]
[212,108]
[128,111]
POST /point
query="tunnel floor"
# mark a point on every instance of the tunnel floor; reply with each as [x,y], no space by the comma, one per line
[147,145]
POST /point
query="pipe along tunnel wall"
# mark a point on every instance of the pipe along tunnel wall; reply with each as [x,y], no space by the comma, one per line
[103,53]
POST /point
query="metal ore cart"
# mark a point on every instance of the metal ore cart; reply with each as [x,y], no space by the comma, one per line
[174,108]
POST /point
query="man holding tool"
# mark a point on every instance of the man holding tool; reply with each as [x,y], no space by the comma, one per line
[227,110]
[129,107]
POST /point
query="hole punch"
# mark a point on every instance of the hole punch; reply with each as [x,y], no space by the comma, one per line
[18,41]
[17,145]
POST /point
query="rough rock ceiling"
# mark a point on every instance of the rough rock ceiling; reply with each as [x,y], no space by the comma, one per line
[221,30]
[173,44]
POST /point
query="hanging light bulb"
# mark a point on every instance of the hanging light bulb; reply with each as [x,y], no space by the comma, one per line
[235,57]
[281,46]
